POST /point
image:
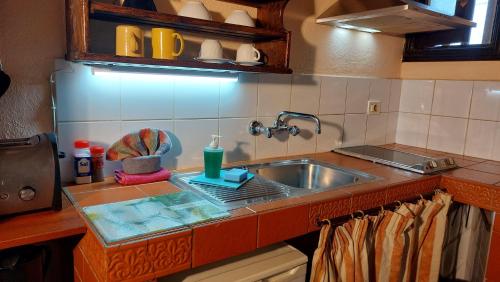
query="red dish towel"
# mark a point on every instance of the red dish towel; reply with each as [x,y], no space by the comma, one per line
[132,179]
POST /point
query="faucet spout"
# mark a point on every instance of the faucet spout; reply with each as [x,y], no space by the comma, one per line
[285,114]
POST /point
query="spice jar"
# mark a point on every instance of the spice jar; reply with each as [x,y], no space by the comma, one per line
[97,154]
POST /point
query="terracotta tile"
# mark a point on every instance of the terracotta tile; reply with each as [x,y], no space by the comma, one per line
[224,239]
[280,225]
[493,269]
[486,167]
[329,195]
[495,202]
[78,260]
[109,196]
[129,262]
[464,163]
[497,163]
[474,175]
[468,158]
[88,273]
[170,254]
[327,210]
[411,189]
[76,275]
[469,192]
[158,188]
[108,183]
[496,224]
[94,254]
[365,201]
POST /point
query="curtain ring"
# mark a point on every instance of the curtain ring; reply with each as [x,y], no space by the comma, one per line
[358,211]
[398,205]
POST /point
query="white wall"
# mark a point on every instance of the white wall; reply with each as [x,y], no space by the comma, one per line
[103,109]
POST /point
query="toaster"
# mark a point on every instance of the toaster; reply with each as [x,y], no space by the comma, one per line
[29,174]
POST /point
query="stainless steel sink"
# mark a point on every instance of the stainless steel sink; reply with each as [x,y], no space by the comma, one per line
[277,180]
[309,174]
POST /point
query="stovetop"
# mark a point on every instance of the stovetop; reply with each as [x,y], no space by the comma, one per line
[402,160]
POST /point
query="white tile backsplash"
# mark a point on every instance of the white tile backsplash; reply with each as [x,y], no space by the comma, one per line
[416,96]
[380,90]
[358,92]
[333,95]
[420,113]
[395,97]
[274,94]
[238,144]
[412,129]
[332,131]
[481,139]
[83,96]
[452,98]
[305,94]
[239,99]
[376,129]
[193,136]
[486,101]
[196,99]
[102,133]
[156,99]
[305,141]
[354,130]
[447,134]
[275,146]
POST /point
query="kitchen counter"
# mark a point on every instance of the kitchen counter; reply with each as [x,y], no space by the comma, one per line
[41,226]
[266,223]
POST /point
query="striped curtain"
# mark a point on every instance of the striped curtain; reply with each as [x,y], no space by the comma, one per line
[401,245]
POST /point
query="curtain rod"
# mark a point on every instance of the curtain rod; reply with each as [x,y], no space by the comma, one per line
[337,221]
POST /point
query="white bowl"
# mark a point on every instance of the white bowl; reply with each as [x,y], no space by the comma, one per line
[240,17]
[195,9]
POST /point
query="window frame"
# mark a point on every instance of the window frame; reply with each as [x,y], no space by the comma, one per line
[481,52]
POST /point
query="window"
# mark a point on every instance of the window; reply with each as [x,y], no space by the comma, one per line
[478,43]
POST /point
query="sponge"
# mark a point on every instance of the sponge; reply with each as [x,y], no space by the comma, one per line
[236,175]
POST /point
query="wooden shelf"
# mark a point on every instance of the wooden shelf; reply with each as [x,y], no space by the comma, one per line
[109,12]
[119,61]
[270,37]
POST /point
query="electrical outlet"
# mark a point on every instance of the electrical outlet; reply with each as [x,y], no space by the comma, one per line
[374,107]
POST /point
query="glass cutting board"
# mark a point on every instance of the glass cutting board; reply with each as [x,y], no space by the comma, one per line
[126,220]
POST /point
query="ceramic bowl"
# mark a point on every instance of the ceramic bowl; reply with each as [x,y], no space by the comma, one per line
[195,9]
[240,17]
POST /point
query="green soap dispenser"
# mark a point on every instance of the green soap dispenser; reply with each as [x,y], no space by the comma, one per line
[213,158]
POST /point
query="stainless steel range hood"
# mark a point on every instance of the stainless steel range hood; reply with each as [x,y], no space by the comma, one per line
[390,16]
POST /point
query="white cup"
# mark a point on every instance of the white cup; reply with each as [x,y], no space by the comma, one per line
[240,17]
[247,53]
[211,49]
[195,9]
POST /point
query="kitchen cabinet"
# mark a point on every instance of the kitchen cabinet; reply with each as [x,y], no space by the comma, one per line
[270,36]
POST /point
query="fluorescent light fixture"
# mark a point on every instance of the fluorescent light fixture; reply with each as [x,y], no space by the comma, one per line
[358,28]
[194,77]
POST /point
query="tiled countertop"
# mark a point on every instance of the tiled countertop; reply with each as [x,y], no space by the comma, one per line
[266,223]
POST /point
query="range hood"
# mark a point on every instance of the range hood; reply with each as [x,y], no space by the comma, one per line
[390,16]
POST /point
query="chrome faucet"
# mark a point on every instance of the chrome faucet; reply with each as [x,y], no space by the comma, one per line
[280,124]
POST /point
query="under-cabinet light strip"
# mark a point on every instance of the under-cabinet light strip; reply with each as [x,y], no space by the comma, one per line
[191,77]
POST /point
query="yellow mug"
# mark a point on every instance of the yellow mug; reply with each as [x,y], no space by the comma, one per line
[129,41]
[163,41]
